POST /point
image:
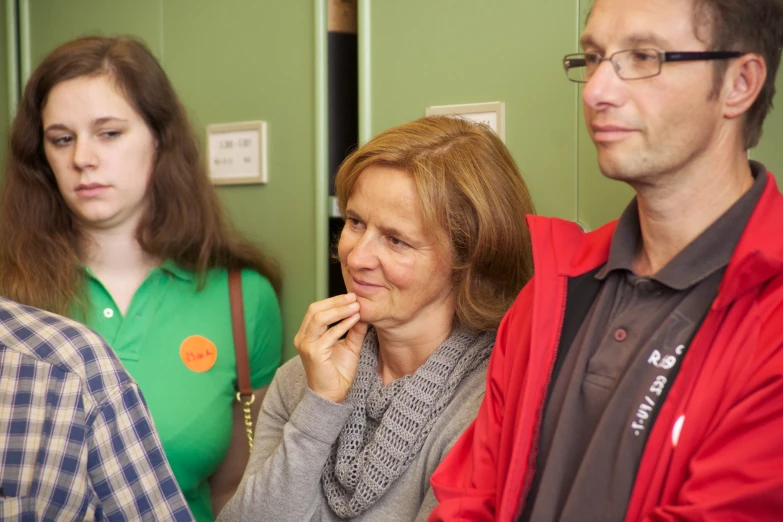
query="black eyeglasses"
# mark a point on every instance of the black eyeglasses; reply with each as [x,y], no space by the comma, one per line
[634,64]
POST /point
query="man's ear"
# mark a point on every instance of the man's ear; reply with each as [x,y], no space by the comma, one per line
[742,83]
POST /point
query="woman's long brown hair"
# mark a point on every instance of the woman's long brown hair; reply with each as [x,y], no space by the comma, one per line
[39,238]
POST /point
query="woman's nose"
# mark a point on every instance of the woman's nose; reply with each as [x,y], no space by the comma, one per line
[362,254]
[84,155]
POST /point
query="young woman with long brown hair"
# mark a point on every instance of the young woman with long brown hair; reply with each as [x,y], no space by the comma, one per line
[108,217]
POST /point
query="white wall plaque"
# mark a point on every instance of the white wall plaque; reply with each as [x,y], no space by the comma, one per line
[237,153]
[491,114]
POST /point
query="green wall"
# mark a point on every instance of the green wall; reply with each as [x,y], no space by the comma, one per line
[770,149]
[236,60]
[416,54]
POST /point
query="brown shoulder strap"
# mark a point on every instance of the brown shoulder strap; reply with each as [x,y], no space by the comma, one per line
[240,337]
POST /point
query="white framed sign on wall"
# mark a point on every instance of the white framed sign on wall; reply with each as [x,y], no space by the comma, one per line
[237,153]
[491,114]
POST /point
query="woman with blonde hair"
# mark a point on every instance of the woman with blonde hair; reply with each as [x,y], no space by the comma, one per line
[433,251]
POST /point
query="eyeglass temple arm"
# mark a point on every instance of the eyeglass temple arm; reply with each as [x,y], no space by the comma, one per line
[574,62]
[701,55]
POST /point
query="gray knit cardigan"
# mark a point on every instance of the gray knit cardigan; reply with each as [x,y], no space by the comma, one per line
[294,436]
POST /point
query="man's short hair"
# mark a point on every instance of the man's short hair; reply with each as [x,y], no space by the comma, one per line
[754,26]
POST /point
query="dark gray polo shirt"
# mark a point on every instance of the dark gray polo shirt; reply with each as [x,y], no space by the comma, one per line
[620,365]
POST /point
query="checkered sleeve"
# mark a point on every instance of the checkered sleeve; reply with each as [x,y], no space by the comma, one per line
[129,472]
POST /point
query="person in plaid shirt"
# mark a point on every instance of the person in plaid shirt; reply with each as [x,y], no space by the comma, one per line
[76,439]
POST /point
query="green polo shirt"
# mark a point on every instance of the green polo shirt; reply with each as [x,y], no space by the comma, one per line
[177,342]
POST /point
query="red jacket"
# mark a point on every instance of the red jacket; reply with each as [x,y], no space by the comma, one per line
[722,461]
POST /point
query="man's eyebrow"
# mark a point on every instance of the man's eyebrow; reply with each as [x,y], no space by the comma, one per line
[641,39]
[587,41]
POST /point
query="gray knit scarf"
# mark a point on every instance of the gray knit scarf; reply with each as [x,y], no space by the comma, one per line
[389,425]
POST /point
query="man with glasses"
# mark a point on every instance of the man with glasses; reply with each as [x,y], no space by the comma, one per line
[639,376]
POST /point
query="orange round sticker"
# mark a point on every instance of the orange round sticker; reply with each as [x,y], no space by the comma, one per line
[198,353]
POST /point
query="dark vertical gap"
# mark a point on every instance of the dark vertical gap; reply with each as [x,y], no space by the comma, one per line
[343,109]
[336,282]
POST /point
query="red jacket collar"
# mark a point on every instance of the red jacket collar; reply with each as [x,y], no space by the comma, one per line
[561,246]
[759,253]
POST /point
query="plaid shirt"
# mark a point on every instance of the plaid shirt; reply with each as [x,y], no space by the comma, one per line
[76,439]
